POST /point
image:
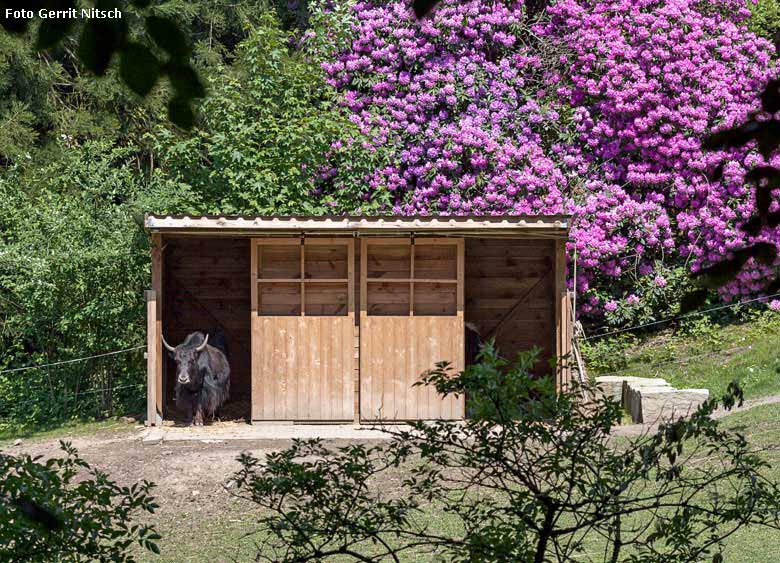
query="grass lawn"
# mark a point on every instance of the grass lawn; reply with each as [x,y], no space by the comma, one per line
[761,426]
[702,355]
[201,536]
[9,433]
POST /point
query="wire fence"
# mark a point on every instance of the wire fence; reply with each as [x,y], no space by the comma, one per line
[94,384]
[92,392]
[73,361]
[678,317]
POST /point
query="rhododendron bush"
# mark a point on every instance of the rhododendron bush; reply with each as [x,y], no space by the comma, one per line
[647,88]
[592,108]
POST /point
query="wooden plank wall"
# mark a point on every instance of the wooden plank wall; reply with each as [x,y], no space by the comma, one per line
[304,368]
[396,351]
[303,329]
[410,320]
[499,272]
[207,285]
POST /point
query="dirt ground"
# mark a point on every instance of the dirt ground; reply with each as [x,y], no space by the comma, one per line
[187,474]
[199,518]
[193,475]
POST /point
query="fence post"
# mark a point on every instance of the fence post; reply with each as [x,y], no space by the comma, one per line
[153,418]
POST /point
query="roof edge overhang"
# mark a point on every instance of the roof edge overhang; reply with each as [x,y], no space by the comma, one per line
[517,225]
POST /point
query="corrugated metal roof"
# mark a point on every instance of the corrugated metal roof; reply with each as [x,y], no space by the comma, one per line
[509,224]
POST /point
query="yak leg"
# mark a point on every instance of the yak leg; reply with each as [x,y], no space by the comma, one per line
[188,418]
[199,415]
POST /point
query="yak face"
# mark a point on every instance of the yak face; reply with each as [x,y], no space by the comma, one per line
[186,357]
[186,365]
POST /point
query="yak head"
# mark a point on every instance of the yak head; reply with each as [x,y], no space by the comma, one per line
[186,357]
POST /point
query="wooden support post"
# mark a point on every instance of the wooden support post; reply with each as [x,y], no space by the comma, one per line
[152,359]
[568,338]
[355,332]
[157,287]
[256,389]
[559,295]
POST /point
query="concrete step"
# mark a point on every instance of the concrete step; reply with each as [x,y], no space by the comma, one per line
[656,404]
[612,385]
[651,400]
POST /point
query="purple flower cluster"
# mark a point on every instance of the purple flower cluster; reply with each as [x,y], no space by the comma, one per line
[648,80]
[458,98]
[599,110]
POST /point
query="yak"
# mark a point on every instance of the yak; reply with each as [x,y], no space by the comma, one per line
[202,376]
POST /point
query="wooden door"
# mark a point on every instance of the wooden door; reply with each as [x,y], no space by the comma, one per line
[411,317]
[303,321]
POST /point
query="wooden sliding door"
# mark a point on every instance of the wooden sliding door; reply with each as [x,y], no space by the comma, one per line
[411,317]
[303,320]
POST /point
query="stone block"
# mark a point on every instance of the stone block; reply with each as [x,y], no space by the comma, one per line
[628,391]
[612,385]
[655,405]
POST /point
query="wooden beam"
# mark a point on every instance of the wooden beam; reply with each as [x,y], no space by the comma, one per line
[362,360]
[461,278]
[411,279]
[559,296]
[151,358]
[255,380]
[303,277]
[254,268]
[157,287]
[355,367]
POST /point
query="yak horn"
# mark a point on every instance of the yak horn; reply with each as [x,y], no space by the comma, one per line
[167,346]
[202,346]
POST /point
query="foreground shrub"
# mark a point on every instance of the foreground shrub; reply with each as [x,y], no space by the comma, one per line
[65,510]
[531,476]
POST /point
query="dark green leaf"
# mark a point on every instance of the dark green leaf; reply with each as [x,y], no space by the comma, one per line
[99,40]
[693,300]
[180,113]
[769,173]
[763,252]
[185,81]
[718,274]
[168,37]
[53,30]
[423,7]
[139,68]
[770,97]
[17,25]
[38,513]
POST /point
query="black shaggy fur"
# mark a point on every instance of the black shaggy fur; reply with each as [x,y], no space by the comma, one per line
[202,378]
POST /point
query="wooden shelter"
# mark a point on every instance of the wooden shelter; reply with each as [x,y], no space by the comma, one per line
[332,319]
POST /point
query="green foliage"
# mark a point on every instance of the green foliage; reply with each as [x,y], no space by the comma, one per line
[82,159]
[765,19]
[658,301]
[703,352]
[269,136]
[536,479]
[497,389]
[73,266]
[65,510]
[163,51]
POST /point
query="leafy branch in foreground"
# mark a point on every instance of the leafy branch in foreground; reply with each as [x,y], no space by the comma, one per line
[140,65]
[760,130]
[533,475]
[65,510]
